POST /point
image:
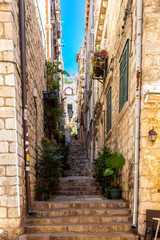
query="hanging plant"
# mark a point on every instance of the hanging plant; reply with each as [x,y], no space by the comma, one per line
[98,62]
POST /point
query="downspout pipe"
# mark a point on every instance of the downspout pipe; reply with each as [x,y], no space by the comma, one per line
[86,99]
[137,111]
[24,101]
[92,39]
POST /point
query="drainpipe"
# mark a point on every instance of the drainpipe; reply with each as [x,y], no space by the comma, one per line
[137,110]
[92,39]
[24,101]
[85,101]
[36,123]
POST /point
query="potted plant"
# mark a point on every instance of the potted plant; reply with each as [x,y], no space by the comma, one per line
[114,162]
[98,62]
[100,166]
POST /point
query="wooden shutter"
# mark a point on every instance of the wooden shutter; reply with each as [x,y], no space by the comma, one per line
[109,99]
[124,74]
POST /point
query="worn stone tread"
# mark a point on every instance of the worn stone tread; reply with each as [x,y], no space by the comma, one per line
[80,236]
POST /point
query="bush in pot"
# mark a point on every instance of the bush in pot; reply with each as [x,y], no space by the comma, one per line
[114,162]
[100,166]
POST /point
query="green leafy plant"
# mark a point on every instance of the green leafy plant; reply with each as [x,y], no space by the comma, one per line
[53,71]
[98,62]
[64,152]
[100,166]
[48,170]
[114,162]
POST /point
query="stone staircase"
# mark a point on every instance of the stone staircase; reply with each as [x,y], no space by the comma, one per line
[78,211]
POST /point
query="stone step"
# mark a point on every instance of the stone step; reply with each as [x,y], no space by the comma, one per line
[86,173]
[80,236]
[76,211]
[78,188]
[89,227]
[77,192]
[79,184]
[78,219]
[100,203]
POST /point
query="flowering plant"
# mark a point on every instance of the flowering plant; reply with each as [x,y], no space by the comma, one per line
[98,62]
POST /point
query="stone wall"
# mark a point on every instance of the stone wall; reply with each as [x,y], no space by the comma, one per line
[12,175]
[149,191]
[121,136]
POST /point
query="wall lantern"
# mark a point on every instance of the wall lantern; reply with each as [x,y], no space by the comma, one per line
[152,135]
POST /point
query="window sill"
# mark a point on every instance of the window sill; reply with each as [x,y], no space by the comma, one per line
[124,109]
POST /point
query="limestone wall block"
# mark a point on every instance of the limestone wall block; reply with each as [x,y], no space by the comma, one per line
[11,171]
[8,159]
[6,45]
[147,183]
[2,190]
[5,6]
[150,2]
[144,195]
[10,123]
[148,205]
[9,201]
[6,112]
[7,92]
[13,223]
[8,181]
[3,147]
[10,102]
[10,80]
[8,30]
[20,150]
[11,190]
[1,80]
[1,30]
[5,16]
[6,68]
[7,135]
[8,55]
[1,101]
[1,124]
[3,212]
[13,147]
[2,171]
[13,213]
[155,197]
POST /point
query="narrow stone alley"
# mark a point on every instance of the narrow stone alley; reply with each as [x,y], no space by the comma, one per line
[78,211]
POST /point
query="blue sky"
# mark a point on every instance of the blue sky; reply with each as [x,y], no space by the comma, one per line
[72,14]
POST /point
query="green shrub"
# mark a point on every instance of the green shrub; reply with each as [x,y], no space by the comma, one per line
[64,152]
[48,170]
[100,162]
[100,167]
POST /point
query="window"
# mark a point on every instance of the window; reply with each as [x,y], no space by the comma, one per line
[69,91]
[109,97]
[124,73]
[69,107]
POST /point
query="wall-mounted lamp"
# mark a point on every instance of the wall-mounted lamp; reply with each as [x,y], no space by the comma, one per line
[152,135]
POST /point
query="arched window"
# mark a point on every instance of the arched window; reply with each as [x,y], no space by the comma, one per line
[69,91]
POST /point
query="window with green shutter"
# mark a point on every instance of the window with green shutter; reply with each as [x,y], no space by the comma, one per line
[124,74]
[109,97]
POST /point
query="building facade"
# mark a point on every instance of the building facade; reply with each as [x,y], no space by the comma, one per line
[70,105]
[80,93]
[122,106]
[15,164]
